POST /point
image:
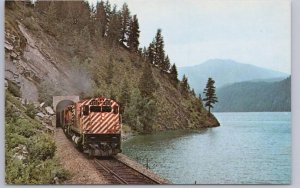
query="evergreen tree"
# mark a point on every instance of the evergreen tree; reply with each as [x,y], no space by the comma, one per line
[133,40]
[108,13]
[149,113]
[166,64]
[124,99]
[210,94]
[145,53]
[107,7]
[140,52]
[114,30]
[199,97]
[101,18]
[184,85]
[174,73]
[151,52]
[125,28]
[147,84]
[159,50]
[133,110]
[193,92]
[140,112]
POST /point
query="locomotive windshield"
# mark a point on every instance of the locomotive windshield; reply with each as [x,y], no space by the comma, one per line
[95,108]
[106,108]
[99,109]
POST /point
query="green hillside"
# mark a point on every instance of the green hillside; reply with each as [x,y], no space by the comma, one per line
[92,55]
[255,97]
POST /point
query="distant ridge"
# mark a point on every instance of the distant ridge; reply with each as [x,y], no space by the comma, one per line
[255,97]
[225,72]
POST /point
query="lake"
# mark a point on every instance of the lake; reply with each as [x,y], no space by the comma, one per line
[248,148]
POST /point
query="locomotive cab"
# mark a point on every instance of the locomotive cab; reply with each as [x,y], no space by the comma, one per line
[96,128]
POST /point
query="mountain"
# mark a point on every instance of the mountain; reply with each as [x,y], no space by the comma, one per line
[225,72]
[255,97]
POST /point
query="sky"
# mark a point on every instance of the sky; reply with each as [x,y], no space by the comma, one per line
[255,32]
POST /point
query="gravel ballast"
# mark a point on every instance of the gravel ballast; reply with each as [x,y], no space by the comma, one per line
[82,169]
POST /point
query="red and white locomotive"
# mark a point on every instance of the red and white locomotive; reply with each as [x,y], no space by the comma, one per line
[94,126]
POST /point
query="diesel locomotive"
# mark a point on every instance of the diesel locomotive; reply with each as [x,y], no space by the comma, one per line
[94,125]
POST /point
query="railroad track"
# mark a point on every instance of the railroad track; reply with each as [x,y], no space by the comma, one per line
[117,172]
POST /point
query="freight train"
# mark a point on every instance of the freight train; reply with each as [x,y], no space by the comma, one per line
[94,125]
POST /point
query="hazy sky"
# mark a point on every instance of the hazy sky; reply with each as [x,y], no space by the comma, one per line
[255,32]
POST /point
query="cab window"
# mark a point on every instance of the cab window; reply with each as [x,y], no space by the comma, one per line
[106,108]
[95,108]
[85,110]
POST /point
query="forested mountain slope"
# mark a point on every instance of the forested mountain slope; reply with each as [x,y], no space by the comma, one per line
[67,48]
[255,97]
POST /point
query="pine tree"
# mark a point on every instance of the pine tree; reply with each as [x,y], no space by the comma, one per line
[166,64]
[149,114]
[108,13]
[174,73]
[147,85]
[101,18]
[140,113]
[114,30]
[133,40]
[124,99]
[133,110]
[199,97]
[159,50]
[145,54]
[210,94]
[184,85]
[193,92]
[125,28]
[151,52]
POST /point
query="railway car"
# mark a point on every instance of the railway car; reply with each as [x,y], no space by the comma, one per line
[94,125]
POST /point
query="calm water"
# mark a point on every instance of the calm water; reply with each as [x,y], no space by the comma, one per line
[248,148]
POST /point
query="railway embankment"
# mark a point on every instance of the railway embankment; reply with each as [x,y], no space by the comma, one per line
[81,169]
[140,168]
[84,171]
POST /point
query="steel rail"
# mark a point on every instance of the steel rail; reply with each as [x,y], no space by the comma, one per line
[116,176]
[135,177]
